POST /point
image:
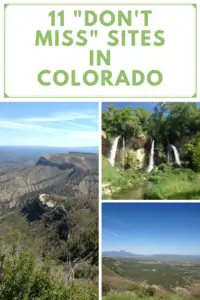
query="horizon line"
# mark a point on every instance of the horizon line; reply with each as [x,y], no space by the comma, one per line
[193,254]
[48,146]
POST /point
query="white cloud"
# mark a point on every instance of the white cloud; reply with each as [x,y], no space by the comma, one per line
[71,116]
[79,125]
[110,233]
[55,130]
[50,130]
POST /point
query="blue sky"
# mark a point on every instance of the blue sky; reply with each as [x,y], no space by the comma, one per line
[151,228]
[56,124]
[147,105]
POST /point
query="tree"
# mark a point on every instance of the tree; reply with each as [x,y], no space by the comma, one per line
[182,119]
[25,276]
[125,121]
[193,149]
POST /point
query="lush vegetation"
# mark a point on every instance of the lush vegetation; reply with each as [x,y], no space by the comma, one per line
[25,277]
[169,124]
[174,183]
[54,252]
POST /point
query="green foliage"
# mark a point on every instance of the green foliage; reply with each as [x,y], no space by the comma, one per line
[87,271]
[23,276]
[174,120]
[109,174]
[170,123]
[80,219]
[68,232]
[131,160]
[183,119]
[193,149]
[105,287]
[118,178]
[124,122]
[175,184]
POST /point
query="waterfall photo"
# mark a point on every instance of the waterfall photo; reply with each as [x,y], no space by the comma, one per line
[150,151]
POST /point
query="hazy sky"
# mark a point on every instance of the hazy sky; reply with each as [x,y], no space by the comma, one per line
[151,228]
[49,124]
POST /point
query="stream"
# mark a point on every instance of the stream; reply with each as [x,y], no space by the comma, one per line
[138,193]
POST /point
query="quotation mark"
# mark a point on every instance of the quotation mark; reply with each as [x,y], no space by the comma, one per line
[93,33]
[77,13]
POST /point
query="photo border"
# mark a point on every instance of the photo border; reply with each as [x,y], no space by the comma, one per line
[101,4]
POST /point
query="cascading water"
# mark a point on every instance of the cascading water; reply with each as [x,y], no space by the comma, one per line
[168,153]
[151,158]
[176,155]
[111,159]
[123,152]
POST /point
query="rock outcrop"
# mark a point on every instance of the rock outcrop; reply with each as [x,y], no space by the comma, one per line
[64,174]
[106,145]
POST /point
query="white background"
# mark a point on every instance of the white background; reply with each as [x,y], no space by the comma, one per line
[90,99]
[175,59]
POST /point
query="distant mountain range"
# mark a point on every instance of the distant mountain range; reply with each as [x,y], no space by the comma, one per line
[125,254]
[119,254]
[41,150]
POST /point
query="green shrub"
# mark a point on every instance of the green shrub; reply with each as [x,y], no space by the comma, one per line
[105,287]
[179,183]
[24,276]
[109,173]
[194,150]
[86,270]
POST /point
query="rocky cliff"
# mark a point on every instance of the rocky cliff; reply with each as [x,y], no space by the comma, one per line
[134,153]
[64,174]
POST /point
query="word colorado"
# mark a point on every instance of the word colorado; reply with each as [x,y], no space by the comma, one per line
[103,78]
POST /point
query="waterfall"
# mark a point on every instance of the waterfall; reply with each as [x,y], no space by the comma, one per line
[151,158]
[176,155]
[123,152]
[168,153]
[111,159]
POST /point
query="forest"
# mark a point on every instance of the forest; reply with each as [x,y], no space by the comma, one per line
[151,154]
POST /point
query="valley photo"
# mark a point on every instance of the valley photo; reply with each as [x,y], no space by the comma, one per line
[151,151]
[49,201]
[151,251]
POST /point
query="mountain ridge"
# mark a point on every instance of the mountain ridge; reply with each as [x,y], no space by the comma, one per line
[123,253]
[62,174]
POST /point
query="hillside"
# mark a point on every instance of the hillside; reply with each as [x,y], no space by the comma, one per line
[62,174]
[121,253]
[126,278]
[49,226]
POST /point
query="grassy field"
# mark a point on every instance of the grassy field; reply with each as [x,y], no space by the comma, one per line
[177,184]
